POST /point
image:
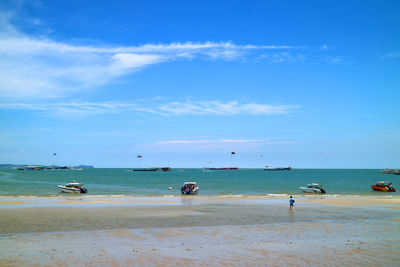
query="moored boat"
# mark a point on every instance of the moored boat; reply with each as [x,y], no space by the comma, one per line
[313,189]
[153,169]
[190,188]
[221,169]
[73,188]
[391,171]
[279,169]
[383,186]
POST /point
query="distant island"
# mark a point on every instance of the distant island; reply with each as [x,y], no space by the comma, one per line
[26,166]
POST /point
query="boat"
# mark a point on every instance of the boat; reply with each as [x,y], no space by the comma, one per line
[383,186]
[152,169]
[72,188]
[190,188]
[391,171]
[313,189]
[279,169]
[221,169]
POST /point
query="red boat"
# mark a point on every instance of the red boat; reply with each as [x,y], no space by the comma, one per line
[383,186]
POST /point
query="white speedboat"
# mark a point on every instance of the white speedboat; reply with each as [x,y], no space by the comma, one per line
[73,188]
[313,189]
[190,188]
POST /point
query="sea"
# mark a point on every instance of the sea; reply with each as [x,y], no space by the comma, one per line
[242,182]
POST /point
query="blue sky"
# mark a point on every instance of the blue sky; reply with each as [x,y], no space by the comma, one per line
[310,84]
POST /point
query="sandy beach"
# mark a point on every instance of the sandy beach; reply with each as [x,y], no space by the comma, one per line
[200,231]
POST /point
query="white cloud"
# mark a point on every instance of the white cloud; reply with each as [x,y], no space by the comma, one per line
[44,68]
[154,107]
[33,67]
[123,62]
[223,108]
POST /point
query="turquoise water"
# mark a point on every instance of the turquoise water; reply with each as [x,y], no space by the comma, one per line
[239,182]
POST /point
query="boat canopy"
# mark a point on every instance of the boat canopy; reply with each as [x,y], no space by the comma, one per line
[383,183]
[314,185]
[74,184]
[191,183]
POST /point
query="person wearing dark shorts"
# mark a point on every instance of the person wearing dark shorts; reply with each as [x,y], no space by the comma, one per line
[291,203]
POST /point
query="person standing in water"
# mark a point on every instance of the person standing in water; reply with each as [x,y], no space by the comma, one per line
[291,203]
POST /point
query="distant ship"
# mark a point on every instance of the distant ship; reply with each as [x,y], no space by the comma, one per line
[279,169]
[153,169]
[391,171]
[221,169]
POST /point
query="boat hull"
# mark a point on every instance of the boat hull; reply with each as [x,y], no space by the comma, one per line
[71,190]
[311,190]
[383,188]
[193,192]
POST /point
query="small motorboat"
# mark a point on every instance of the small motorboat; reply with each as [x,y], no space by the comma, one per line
[313,189]
[383,186]
[73,188]
[190,188]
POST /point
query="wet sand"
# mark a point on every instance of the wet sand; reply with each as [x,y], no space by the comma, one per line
[327,231]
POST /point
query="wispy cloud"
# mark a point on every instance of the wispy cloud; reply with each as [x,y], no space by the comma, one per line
[153,107]
[39,67]
[223,108]
[286,57]
[44,68]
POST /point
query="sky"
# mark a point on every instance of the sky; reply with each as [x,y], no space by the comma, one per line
[307,84]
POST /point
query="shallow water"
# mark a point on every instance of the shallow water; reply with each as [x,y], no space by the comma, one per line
[246,182]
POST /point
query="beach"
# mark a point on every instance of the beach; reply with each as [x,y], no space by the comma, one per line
[199,133]
[200,231]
